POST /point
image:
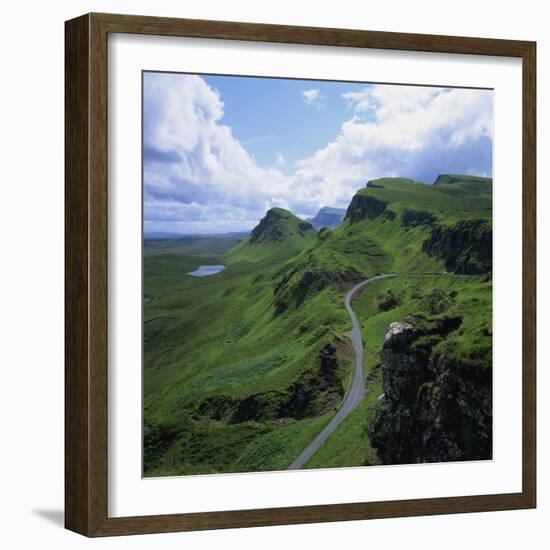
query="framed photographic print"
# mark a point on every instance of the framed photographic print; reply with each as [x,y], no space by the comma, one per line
[300,275]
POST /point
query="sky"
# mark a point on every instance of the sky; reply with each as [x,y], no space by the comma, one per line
[219,151]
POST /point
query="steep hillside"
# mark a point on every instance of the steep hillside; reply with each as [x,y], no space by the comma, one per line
[465,247]
[394,225]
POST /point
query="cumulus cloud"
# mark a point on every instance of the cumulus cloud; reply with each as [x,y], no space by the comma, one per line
[312,97]
[199,178]
[415,132]
[192,162]
[360,101]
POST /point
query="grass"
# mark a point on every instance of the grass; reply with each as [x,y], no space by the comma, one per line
[219,336]
[471,300]
[349,445]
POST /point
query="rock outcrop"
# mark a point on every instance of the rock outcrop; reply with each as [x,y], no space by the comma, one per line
[414,218]
[434,408]
[465,247]
[364,207]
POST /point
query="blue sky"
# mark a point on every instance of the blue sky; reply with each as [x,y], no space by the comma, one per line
[221,150]
[270,116]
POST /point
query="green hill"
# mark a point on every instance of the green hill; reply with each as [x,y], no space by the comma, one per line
[280,234]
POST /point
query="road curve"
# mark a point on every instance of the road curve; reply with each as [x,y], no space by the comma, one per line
[356,391]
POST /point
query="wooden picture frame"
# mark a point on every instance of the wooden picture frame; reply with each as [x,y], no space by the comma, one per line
[86,282]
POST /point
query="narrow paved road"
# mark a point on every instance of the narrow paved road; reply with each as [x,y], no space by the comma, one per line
[356,391]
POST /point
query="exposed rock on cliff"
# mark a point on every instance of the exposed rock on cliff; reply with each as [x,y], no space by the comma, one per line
[413,218]
[364,207]
[466,247]
[435,407]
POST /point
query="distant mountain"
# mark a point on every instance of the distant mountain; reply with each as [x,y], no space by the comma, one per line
[279,234]
[328,217]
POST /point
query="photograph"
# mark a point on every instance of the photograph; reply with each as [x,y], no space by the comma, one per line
[317,274]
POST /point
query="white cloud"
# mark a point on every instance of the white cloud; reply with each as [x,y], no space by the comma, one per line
[360,101]
[312,97]
[280,159]
[408,131]
[192,158]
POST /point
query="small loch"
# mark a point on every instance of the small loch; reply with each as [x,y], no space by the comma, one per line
[206,270]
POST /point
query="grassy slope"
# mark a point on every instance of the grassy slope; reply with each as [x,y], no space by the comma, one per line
[221,336]
[223,340]
[218,335]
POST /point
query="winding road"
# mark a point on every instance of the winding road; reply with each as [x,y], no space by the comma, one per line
[356,390]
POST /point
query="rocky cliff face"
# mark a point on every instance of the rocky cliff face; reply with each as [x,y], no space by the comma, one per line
[414,218]
[434,408]
[364,207]
[466,247]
